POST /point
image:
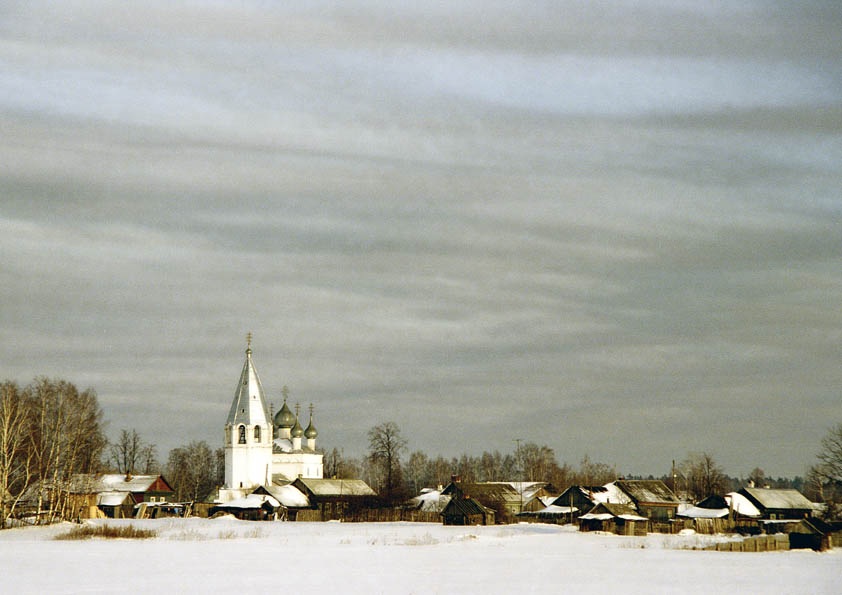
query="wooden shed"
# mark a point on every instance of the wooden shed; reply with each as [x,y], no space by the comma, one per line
[614,518]
[466,511]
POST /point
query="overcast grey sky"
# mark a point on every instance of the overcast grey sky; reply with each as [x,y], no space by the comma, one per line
[614,228]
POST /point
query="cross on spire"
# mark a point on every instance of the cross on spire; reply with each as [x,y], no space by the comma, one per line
[248,340]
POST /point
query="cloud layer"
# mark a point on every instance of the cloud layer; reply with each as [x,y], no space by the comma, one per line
[613,229]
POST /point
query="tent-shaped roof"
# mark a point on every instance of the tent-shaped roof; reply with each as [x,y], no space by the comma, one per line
[249,404]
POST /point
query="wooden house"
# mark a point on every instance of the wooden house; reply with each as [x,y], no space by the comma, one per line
[650,497]
[577,500]
[621,519]
[290,498]
[778,504]
[810,533]
[335,498]
[86,495]
[466,511]
[254,507]
[501,497]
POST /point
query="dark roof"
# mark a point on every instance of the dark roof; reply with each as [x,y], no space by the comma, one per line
[464,506]
[649,491]
[713,503]
[489,492]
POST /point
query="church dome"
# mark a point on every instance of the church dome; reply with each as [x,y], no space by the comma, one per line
[310,432]
[285,418]
[297,430]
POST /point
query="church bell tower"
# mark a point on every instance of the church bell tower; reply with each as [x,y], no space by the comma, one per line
[248,433]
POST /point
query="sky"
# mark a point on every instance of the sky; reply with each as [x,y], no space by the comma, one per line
[614,228]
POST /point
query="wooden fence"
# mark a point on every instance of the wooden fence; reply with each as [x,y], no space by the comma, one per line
[758,543]
[372,515]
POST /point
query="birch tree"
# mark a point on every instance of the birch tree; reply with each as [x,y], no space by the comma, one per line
[15,457]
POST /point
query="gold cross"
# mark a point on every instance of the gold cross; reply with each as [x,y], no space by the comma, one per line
[248,339]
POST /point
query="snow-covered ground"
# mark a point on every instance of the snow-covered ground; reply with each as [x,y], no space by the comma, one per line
[226,555]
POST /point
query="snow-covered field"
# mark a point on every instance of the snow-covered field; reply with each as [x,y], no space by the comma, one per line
[226,555]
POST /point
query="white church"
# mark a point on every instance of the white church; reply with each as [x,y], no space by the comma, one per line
[260,450]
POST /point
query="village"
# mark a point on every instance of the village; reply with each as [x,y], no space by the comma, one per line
[275,472]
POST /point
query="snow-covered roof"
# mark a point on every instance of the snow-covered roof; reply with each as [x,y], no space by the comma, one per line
[771,498]
[285,445]
[650,491]
[696,512]
[288,495]
[134,483]
[554,509]
[429,500]
[604,516]
[525,488]
[741,505]
[336,487]
[111,498]
[611,494]
[252,501]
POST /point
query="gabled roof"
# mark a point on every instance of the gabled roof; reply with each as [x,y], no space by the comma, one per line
[604,511]
[777,499]
[465,506]
[527,488]
[133,483]
[429,501]
[114,498]
[288,495]
[251,501]
[89,483]
[648,491]
[249,404]
[496,492]
[335,487]
[741,505]
[699,512]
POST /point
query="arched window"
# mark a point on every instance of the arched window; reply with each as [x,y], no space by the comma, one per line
[257,433]
[242,434]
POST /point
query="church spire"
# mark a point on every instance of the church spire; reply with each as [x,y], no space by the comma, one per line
[249,405]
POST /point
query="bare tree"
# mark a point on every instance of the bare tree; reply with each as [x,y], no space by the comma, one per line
[126,452]
[757,477]
[193,470]
[65,436]
[417,471]
[385,446]
[592,473]
[704,477]
[825,477]
[15,456]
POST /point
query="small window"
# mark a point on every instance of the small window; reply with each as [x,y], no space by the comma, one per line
[242,434]
[257,433]
[152,498]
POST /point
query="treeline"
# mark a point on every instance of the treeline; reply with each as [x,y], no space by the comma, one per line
[397,475]
[51,431]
